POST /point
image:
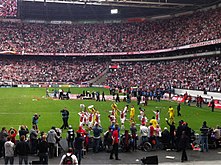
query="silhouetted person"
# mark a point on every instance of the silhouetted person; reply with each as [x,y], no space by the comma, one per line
[22,149]
[65,116]
[183,144]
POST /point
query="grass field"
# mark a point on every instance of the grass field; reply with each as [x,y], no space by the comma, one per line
[17,106]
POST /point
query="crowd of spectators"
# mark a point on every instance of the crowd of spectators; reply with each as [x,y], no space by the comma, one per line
[8,8]
[198,74]
[122,37]
[49,69]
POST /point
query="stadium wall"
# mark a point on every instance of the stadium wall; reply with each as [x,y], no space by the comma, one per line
[194,93]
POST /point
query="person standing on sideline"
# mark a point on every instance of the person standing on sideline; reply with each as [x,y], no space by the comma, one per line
[115,137]
[98,96]
[212,104]
[69,158]
[79,145]
[47,92]
[138,99]
[117,98]
[189,100]
[172,135]
[178,109]
[183,144]
[60,94]
[22,149]
[70,137]
[35,120]
[133,131]
[9,151]
[97,130]
[200,101]
[33,139]
[65,116]
[52,139]
[103,96]
[43,150]
[204,137]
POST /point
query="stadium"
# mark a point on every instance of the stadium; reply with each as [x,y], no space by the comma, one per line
[89,67]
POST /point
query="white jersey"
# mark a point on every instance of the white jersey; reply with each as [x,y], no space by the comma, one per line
[157,116]
[122,116]
[143,130]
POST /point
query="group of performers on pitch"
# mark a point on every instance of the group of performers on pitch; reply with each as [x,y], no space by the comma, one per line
[90,116]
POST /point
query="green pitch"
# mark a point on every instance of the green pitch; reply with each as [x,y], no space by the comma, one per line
[17,106]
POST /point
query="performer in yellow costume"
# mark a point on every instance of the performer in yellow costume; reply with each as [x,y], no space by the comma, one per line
[132,113]
[171,114]
[115,109]
[154,122]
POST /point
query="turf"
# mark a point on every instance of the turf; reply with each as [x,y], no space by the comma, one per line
[17,106]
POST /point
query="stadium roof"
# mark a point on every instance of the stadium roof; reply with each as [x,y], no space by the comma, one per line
[100,9]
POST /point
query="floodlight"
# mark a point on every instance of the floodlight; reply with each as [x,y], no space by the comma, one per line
[114,11]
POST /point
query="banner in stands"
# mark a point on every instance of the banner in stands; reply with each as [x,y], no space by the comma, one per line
[44,85]
[178,98]
[114,66]
[55,85]
[64,86]
[211,42]
[24,86]
[34,86]
[217,104]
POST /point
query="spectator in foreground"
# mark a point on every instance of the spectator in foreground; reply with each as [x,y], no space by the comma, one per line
[43,150]
[22,149]
[183,144]
[217,133]
[23,131]
[52,140]
[79,145]
[172,136]
[70,137]
[9,151]
[204,137]
[97,130]
[3,139]
[166,138]
[69,158]
[34,139]
[115,137]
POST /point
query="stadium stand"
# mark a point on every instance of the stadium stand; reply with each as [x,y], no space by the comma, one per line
[123,37]
[196,74]
[49,69]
